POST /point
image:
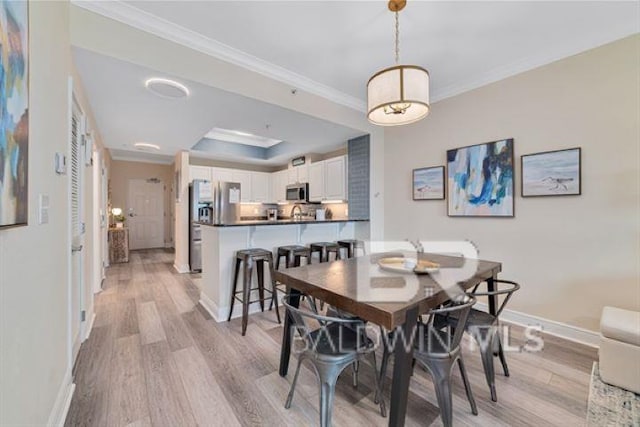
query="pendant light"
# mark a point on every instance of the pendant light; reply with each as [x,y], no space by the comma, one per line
[398,95]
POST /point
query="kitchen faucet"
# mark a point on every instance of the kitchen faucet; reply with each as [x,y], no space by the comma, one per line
[296,215]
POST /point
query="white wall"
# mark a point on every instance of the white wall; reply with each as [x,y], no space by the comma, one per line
[34,355]
[181,215]
[572,255]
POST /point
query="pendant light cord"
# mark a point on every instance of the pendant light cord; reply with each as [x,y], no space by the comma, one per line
[397,38]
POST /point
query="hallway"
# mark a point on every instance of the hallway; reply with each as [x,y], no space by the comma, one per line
[155,357]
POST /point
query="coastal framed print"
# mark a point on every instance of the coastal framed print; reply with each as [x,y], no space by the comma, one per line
[14,112]
[428,183]
[552,173]
[480,180]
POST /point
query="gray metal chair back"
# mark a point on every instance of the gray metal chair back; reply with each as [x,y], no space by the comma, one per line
[437,348]
[331,347]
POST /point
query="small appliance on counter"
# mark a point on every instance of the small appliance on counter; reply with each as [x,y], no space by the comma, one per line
[272,214]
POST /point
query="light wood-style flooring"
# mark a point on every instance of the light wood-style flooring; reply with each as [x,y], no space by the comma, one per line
[155,357]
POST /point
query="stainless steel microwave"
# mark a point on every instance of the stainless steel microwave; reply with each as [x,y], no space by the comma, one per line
[298,193]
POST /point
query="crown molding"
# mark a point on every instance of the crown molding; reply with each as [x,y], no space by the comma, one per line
[144,21]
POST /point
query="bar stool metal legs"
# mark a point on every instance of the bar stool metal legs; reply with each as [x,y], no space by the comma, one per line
[249,257]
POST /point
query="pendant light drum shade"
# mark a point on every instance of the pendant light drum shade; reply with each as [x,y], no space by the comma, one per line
[398,95]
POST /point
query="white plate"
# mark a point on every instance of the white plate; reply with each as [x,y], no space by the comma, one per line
[407,265]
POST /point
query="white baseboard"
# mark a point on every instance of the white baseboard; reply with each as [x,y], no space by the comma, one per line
[551,327]
[61,406]
[220,314]
[183,268]
[89,326]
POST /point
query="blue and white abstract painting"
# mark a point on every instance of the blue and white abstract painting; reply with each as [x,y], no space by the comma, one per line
[480,179]
[553,173]
[428,183]
[14,112]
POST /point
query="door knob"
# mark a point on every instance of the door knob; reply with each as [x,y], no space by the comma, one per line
[76,248]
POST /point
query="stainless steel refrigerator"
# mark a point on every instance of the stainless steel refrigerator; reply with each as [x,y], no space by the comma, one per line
[210,202]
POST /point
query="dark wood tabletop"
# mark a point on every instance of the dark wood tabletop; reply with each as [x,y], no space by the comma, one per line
[360,287]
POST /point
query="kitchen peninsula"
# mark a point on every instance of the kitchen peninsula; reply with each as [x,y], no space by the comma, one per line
[220,242]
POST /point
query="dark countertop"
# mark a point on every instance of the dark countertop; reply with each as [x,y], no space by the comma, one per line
[280,222]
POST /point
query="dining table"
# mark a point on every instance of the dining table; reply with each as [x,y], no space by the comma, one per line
[393,298]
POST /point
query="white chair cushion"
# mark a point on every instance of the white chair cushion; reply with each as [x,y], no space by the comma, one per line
[621,325]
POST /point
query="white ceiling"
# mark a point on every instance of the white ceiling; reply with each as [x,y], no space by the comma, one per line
[329,48]
[126,113]
[340,44]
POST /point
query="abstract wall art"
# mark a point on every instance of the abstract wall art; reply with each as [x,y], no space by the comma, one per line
[480,180]
[428,183]
[551,173]
[14,112]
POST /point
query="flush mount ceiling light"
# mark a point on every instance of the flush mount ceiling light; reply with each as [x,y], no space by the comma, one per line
[166,88]
[145,146]
[398,95]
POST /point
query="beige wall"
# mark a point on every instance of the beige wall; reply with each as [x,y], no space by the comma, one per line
[572,255]
[123,171]
[34,357]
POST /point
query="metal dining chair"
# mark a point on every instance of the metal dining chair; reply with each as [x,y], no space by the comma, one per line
[484,328]
[331,347]
[437,348]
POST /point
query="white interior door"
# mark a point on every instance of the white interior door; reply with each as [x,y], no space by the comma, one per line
[145,210]
[77,226]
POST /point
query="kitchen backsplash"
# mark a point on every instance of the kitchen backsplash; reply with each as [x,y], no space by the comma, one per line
[338,210]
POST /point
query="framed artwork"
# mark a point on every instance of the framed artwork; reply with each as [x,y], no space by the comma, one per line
[480,180]
[428,183]
[551,173]
[14,112]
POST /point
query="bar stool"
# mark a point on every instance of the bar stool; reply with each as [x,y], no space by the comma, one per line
[249,257]
[324,249]
[351,245]
[293,253]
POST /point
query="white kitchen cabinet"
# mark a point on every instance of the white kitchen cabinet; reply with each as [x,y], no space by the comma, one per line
[335,178]
[316,181]
[279,186]
[244,178]
[298,174]
[328,179]
[199,172]
[222,174]
[260,187]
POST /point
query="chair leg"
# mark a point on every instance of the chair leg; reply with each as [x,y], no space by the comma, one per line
[233,288]
[503,360]
[260,265]
[383,369]
[287,404]
[441,373]
[274,290]
[383,408]
[278,261]
[355,367]
[328,375]
[246,293]
[487,362]
[467,386]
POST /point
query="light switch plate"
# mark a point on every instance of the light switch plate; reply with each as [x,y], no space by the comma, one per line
[61,164]
[43,209]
